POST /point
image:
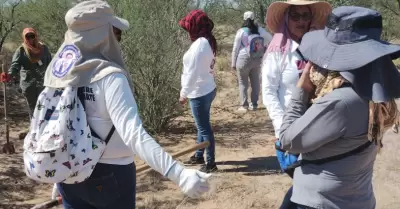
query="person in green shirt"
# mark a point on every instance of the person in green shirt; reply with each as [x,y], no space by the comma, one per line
[30,62]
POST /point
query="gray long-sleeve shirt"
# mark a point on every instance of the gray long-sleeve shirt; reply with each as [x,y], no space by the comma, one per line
[334,124]
[31,74]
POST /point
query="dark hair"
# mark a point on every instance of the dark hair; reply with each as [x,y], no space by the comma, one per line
[249,23]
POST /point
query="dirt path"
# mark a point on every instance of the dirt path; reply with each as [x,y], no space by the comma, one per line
[249,175]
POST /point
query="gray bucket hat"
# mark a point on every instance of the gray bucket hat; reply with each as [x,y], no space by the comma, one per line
[350,40]
[351,44]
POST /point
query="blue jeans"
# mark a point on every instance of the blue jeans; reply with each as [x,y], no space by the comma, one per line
[201,113]
[287,204]
[109,186]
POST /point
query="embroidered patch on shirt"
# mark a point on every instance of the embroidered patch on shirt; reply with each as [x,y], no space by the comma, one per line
[65,60]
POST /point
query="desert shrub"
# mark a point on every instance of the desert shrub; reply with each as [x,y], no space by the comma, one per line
[153,48]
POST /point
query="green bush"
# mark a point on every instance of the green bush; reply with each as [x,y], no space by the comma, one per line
[153,48]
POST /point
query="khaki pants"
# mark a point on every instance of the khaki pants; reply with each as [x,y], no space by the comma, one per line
[248,69]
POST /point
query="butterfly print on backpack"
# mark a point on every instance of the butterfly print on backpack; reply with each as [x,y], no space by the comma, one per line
[61,131]
[64,148]
[86,161]
[39,106]
[74,174]
[70,126]
[67,164]
[57,93]
[54,137]
[94,146]
[50,174]
[73,144]
[41,123]
[52,154]
[31,165]
[49,112]
[69,106]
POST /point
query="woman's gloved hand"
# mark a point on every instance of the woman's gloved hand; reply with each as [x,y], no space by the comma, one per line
[193,183]
[5,78]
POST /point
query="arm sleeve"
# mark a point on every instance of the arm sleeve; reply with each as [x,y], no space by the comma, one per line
[48,55]
[271,77]
[15,63]
[304,130]
[237,43]
[191,70]
[123,110]
[267,36]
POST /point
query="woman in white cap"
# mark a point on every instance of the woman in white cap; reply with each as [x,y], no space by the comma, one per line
[283,63]
[340,109]
[244,64]
[93,39]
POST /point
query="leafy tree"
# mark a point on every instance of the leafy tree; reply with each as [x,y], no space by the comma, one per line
[8,19]
[153,48]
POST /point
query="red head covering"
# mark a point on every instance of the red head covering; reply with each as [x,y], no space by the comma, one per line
[198,24]
[35,50]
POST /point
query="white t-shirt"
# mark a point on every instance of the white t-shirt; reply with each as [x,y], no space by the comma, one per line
[198,70]
[110,101]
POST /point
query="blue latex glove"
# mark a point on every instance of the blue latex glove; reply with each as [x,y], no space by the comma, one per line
[285,159]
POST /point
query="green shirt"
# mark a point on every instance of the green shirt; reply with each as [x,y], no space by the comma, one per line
[31,74]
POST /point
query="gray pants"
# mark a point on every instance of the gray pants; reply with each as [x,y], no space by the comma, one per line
[248,68]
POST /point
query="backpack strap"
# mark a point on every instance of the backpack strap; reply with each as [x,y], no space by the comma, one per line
[247,31]
[300,54]
[81,97]
[332,158]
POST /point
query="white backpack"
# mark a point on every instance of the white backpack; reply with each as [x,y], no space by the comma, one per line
[255,44]
[60,146]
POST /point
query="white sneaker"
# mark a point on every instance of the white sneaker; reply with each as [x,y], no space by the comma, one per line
[252,108]
[242,109]
[395,128]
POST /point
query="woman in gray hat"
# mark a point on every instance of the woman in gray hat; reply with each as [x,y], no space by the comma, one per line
[343,103]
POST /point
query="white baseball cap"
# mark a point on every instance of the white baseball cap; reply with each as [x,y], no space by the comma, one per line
[248,15]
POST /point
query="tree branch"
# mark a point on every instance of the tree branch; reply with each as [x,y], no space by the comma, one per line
[8,24]
[389,7]
[398,5]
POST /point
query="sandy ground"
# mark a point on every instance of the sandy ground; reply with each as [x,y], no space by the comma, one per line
[249,174]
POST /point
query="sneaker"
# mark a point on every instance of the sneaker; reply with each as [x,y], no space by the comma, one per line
[209,168]
[242,109]
[194,160]
[253,108]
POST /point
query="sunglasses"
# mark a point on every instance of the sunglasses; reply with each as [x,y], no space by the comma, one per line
[295,16]
[30,36]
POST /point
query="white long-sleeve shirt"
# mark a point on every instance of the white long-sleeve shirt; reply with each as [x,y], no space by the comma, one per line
[279,78]
[110,101]
[238,48]
[198,70]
